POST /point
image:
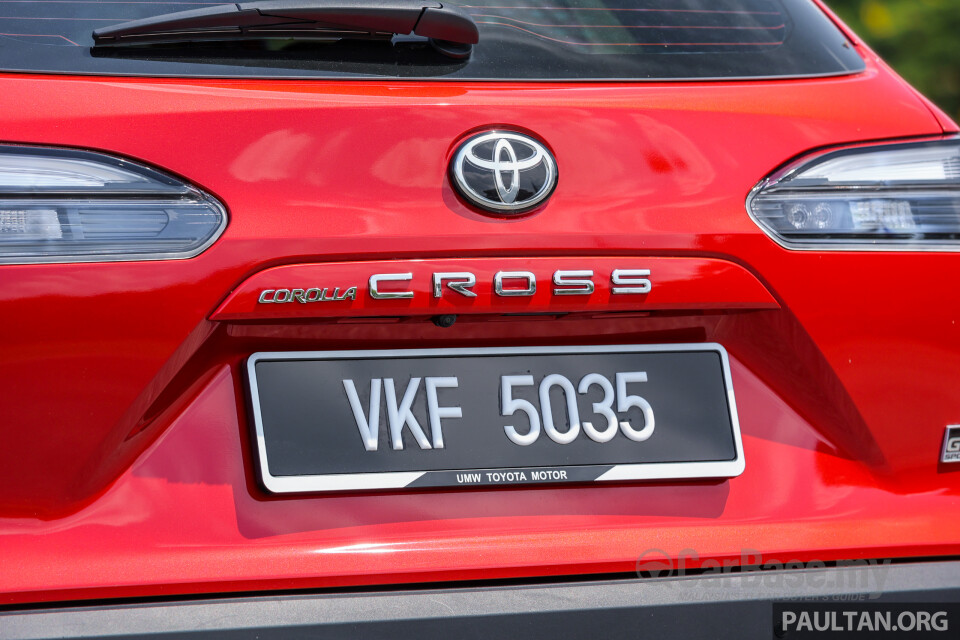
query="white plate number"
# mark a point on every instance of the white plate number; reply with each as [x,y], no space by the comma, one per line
[625,401]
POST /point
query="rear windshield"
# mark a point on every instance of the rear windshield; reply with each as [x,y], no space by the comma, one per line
[519,40]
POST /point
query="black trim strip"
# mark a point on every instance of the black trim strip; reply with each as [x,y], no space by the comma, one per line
[736,605]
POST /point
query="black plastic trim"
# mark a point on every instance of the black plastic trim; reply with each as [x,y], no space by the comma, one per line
[732,605]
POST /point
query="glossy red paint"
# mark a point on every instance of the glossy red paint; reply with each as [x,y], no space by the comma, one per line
[676,283]
[186,519]
[125,463]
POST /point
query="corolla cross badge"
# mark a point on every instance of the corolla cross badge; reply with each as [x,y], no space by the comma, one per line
[504,172]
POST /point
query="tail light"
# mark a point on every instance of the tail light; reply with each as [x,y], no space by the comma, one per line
[64,205]
[889,197]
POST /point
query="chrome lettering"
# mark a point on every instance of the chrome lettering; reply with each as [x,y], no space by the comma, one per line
[460,281]
[566,282]
[636,280]
[377,278]
[264,299]
[574,283]
[304,296]
[528,290]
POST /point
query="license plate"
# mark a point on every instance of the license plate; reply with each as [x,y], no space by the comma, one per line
[408,419]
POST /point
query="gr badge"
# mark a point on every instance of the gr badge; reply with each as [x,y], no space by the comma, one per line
[951,444]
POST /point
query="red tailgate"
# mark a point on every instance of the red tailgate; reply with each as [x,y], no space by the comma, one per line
[135,460]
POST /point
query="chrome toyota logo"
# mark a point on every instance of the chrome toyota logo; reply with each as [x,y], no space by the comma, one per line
[504,172]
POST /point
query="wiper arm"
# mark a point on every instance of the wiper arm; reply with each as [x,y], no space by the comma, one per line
[451,29]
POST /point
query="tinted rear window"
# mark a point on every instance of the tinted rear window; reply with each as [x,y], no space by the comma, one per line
[519,40]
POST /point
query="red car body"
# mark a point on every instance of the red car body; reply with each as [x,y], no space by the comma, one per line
[125,458]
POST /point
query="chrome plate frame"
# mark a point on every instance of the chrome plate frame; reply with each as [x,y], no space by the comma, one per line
[398,480]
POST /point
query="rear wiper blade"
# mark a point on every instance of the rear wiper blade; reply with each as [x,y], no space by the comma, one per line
[449,28]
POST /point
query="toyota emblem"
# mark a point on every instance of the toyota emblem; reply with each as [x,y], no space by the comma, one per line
[504,172]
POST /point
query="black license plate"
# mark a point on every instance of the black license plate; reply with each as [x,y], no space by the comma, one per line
[404,419]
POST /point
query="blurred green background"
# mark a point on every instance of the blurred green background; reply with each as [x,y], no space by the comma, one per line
[918,38]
